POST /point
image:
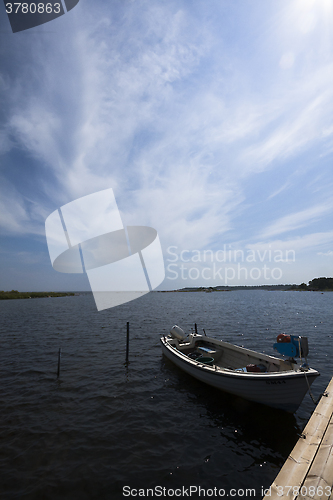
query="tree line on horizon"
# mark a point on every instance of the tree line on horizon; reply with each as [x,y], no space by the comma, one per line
[316,284]
[15,294]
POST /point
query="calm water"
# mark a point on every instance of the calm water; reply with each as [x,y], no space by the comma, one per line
[103,426]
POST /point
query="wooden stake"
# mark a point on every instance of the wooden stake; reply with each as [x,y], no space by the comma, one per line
[127,342]
[59,361]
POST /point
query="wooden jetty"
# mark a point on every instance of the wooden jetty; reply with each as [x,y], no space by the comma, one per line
[308,472]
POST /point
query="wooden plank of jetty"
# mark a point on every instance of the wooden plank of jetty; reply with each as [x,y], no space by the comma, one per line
[308,471]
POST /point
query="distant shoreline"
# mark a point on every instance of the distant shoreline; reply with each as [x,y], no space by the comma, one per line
[291,288]
[14,294]
[316,285]
[230,288]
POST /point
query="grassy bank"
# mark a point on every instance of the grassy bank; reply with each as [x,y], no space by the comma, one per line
[14,294]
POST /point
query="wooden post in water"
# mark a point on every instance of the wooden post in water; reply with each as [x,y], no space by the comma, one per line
[195,328]
[59,361]
[127,342]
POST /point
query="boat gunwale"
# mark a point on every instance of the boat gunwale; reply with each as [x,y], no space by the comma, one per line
[225,372]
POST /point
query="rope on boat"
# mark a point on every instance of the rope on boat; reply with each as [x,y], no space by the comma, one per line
[315,402]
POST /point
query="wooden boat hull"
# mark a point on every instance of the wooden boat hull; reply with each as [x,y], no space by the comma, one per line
[281,390]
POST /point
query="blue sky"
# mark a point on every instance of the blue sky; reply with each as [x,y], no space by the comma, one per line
[212,122]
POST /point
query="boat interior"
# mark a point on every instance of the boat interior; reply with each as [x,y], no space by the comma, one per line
[230,357]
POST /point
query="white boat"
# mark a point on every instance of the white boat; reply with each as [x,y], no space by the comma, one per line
[275,382]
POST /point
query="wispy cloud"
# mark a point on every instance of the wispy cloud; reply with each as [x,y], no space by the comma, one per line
[326,254]
[19,214]
[299,244]
[298,124]
[297,220]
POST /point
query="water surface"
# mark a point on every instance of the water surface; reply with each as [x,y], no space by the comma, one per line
[104,425]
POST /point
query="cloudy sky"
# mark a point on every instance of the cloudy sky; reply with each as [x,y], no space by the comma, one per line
[212,122]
